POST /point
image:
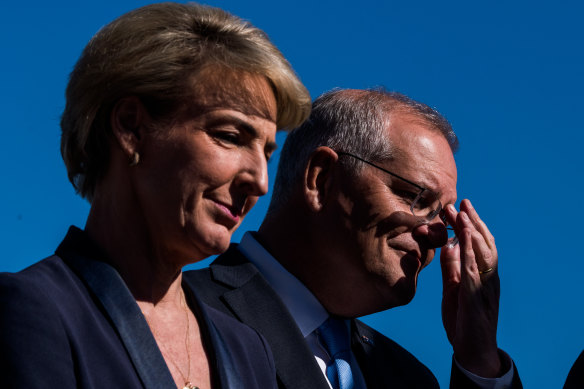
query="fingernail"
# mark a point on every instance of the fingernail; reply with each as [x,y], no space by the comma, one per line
[464,216]
[451,208]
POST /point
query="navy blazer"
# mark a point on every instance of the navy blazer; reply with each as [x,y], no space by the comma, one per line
[233,285]
[69,321]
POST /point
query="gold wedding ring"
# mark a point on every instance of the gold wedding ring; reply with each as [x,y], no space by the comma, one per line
[486,271]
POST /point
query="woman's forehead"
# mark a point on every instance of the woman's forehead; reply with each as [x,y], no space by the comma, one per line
[245,92]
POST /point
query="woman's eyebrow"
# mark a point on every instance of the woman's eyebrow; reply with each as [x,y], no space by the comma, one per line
[242,125]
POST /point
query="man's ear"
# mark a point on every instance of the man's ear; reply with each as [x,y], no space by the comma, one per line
[318,177]
[127,122]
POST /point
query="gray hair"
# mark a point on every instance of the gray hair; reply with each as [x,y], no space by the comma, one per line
[156,53]
[353,121]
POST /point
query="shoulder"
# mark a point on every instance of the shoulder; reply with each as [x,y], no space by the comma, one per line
[390,359]
[47,286]
[42,270]
[37,295]
[39,282]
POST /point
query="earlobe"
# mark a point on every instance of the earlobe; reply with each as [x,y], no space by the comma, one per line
[318,177]
[127,120]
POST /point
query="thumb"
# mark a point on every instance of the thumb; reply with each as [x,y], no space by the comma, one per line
[450,265]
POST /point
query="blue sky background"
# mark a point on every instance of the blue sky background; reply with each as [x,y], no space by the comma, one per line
[509,76]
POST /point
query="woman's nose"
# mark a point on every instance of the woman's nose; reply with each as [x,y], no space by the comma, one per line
[254,176]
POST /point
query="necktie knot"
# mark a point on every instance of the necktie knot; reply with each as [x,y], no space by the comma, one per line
[333,333]
[335,337]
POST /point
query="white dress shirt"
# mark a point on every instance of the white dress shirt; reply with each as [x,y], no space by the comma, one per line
[309,314]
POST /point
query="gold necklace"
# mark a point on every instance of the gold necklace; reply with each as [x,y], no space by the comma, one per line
[188,384]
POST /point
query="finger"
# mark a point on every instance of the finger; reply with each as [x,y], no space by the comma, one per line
[483,260]
[479,224]
[450,213]
[450,255]
[487,257]
[484,256]
[467,252]
[450,265]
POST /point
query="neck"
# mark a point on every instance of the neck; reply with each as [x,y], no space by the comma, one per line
[278,238]
[294,245]
[302,245]
[145,266]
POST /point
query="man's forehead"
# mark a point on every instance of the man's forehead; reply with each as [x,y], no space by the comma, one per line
[408,132]
[247,93]
[422,154]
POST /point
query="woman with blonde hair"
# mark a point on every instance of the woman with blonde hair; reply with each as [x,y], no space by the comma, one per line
[170,120]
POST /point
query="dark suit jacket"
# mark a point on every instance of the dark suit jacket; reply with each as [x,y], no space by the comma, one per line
[69,321]
[576,376]
[233,285]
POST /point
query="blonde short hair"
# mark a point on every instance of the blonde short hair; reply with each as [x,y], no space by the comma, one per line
[149,53]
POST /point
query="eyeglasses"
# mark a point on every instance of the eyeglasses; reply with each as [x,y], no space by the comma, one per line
[420,206]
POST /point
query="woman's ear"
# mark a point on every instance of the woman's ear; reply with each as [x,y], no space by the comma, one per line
[318,177]
[127,122]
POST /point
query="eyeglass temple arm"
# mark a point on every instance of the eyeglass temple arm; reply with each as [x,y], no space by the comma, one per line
[380,168]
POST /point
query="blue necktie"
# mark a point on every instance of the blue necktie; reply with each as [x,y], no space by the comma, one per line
[333,334]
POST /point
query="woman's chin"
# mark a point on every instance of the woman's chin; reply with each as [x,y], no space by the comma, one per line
[216,244]
[207,239]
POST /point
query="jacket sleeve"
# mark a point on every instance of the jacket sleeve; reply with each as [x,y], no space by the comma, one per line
[460,380]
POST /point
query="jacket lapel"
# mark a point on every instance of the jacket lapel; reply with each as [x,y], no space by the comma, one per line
[385,364]
[363,348]
[220,356]
[119,304]
[255,303]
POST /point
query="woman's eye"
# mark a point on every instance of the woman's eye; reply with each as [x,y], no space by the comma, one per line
[230,137]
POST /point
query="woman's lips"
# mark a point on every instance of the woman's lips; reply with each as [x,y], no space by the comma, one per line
[229,211]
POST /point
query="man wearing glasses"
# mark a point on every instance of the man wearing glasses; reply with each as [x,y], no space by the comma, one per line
[362,199]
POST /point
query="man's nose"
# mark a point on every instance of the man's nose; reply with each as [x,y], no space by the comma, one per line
[434,233]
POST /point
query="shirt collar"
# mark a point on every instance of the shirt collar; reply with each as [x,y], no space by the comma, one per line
[306,310]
